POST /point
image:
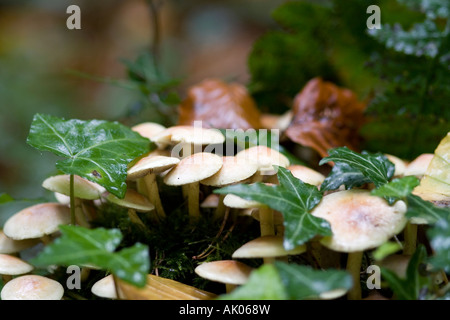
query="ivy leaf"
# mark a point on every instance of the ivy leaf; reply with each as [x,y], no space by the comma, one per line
[97,150]
[439,236]
[397,188]
[294,199]
[408,288]
[283,281]
[354,169]
[264,283]
[81,246]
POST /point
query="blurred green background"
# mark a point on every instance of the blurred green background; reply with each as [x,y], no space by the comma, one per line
[273,47]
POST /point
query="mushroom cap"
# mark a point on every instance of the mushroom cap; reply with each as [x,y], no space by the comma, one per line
[266,247]
[83,188]
[265,157]
[306,174]
[233,201]
[8,245]
[148,129]
[32,287]
[211,201]
[194,168]
[11,265]
[225,271]
[188,134]
[105,288]
[151,164]
[37,221]
[359,220]
[400,165]
[132,200]
[233,170]
[419,165]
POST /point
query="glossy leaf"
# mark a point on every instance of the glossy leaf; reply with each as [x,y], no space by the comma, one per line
[96,247]
[97,150]
[354,169]
[439,236]
[283,281]
[408,288]
[294,199]
[397,188]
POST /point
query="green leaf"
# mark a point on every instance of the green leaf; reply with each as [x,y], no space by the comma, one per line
[408,288]
[385,250]
[397,188]
[357,168]
[439,236]
[97,150]
[294,199]
[304,282]
[81,246]
[419,208]
[264,283]
[5,198]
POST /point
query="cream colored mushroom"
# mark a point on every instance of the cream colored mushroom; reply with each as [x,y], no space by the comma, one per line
[148,129]
[230,272]
[11,246]
[32,287]
[105,288]
[233,170]
[400,165]
[189,172]
[359,221]
[38,221]
[266,247]
[419,165]
[13,266]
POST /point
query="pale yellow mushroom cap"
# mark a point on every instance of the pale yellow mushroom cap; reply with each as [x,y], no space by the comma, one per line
[83,188]
[151,164]
[266,247]
[225,271]
[37,221]
[359,220]
[132,200]
[105,288]
[307,175]
[211,201]
[233,201]
[148,129]
[188,134]
[11,265]
[194,168]
[419,165]
[32,287]
[8,245]
[233,170]
[265,157]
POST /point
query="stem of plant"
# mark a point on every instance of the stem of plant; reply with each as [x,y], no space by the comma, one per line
[410,235]
[193,201]
[354,261]
[153,194]
[220,210]
[267,226]
[72,201]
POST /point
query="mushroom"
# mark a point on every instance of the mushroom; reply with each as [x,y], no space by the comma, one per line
[105,288]
[306,174]
[32,287]
[266,247]
[38,221]
[419,165]
[12,266]
[359,221]
[148,129]
[83,190]
[133,201]
[400,165]
[187,138]
[230,272]
[265,158]
[210,202]
[147,168]
[189,172]
[233,170]
[11,246]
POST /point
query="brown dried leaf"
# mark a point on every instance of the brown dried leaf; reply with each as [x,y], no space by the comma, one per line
[219,105]
[326,116]
[158,288]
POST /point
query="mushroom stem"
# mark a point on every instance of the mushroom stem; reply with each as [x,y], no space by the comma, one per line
[410,237]
[46,239]
[6,278]
[72,201]
[229,287]
[153,194]
[141,187]
[220,210]
[193,201]
[266,221]
[80,217]
[135,218]
[354,261]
